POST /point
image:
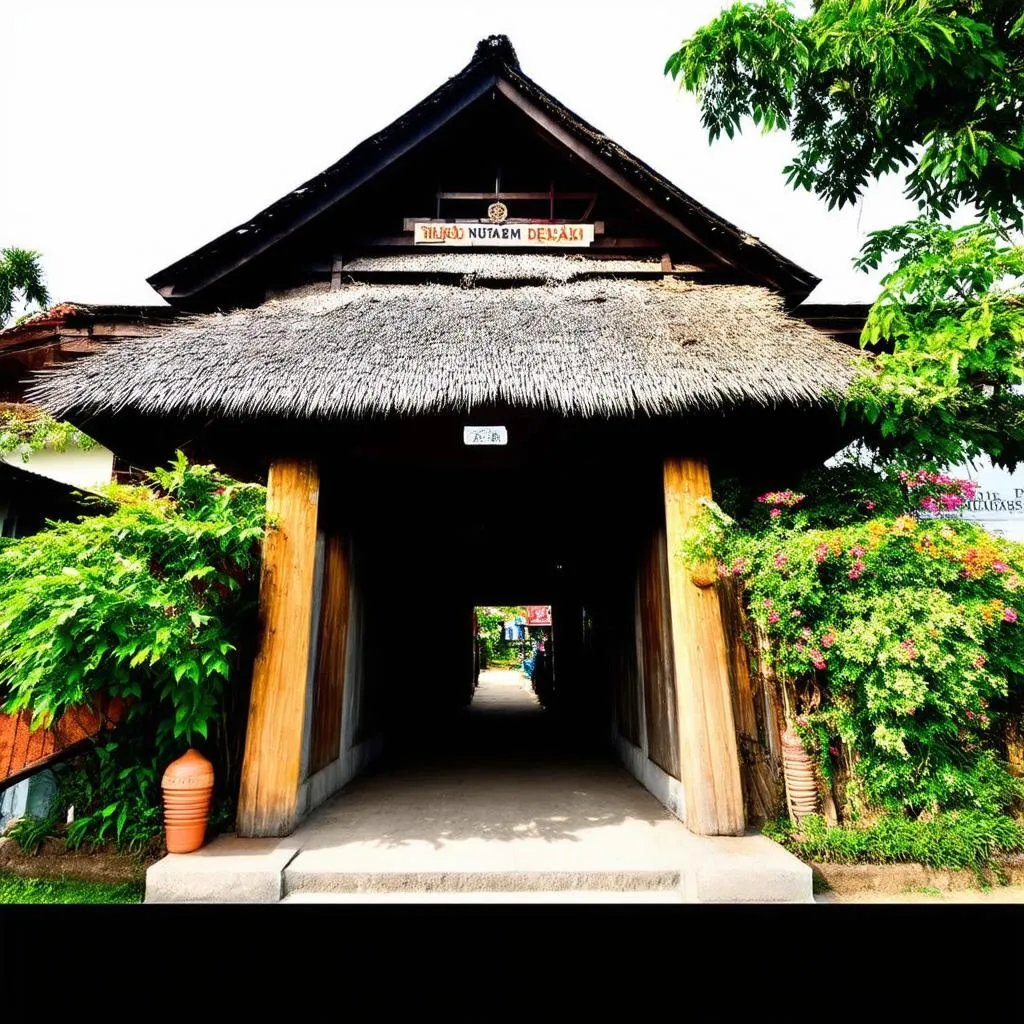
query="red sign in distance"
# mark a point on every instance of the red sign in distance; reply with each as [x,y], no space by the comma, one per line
[538,615]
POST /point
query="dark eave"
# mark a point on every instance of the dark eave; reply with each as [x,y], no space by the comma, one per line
[843,321]
[494,66]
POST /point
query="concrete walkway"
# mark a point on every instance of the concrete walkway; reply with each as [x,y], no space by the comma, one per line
[500,799]
[500,803]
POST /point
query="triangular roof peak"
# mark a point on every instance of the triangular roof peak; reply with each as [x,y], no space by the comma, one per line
[202,278]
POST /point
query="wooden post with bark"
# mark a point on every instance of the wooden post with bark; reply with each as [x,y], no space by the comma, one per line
[708,756]
[268,799]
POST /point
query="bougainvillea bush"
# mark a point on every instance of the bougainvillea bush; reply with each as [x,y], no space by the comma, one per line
[895,627]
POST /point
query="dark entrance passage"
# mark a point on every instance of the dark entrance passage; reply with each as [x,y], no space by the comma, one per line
[432,535]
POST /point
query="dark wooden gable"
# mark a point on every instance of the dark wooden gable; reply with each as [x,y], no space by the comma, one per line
[489,132]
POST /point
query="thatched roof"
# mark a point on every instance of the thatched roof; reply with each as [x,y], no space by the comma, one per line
[582,348]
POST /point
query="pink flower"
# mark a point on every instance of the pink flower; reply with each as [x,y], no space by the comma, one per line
[929,505]
[819,664]
[979,661]
[722,570]
[912,711]
[970,714]
[801,720]
[857,552]
[739,566]
[780,560]
[775,512]
[767,602]
[909,649]
[805,633]
[821,552]
[1010,615]
[869,505]
[828,640]
[795,613]
[1000,567]
[773,617]
[984,719]
[833,751]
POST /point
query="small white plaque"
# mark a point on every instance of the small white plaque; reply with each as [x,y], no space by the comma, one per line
[484,435]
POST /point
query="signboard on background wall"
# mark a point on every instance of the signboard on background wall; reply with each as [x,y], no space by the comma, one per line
[542,236]
[998,503]
[538,615]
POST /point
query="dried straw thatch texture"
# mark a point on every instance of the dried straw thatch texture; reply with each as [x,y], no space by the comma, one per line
[494,266]
[587,348]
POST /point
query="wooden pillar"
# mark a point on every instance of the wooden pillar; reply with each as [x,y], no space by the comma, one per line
[708,757]
[267,802]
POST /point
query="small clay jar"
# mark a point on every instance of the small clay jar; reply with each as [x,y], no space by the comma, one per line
[798,770]
[188,787]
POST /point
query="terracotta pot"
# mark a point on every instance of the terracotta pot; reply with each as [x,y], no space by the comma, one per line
[188,787]
[703,576]
[798,769]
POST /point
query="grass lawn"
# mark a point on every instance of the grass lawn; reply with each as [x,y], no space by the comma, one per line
[16,889]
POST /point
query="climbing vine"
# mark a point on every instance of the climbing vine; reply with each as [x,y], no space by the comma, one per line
[26,433]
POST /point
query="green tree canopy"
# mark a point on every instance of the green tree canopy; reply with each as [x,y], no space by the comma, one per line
[934,88]
[21,279]
[867,87]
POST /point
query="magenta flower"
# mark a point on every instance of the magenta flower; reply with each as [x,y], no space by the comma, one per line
[775,512]
[869,505]
[1000,567]
[773,617]
[929,505]
[1010,615]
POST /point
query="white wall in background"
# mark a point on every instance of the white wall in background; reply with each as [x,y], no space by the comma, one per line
[73,466]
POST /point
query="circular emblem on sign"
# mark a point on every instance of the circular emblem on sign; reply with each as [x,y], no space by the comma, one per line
[497,212]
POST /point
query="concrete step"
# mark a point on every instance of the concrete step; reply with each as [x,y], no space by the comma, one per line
[540,896]
[324,880]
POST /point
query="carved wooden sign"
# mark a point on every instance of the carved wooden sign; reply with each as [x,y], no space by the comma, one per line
[543,236]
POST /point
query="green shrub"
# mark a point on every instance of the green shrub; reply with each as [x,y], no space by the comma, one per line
[906,625]
[951,839]
[153,601]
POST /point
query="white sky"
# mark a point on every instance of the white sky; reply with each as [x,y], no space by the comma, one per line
[137,131]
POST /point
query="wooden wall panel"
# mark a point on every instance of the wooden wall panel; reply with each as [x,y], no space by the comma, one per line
[760,772]
[658,668]
[332,644]
[628,681]
[23,751]
[272,766]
